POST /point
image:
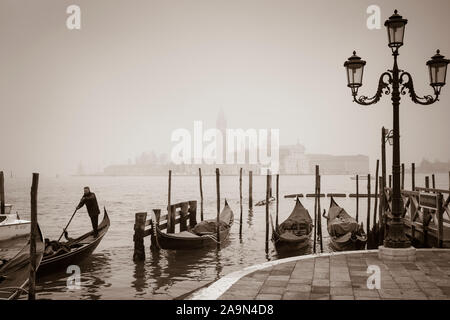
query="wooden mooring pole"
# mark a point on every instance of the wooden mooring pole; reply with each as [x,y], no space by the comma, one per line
[138,237]
[433,181]
[240,203]
[369,236]
[250,190]
[319,218]
[390,181]
[2,193]
[169,191]
[33,236]
[426,215]
[413,176]
[403,177]
[357,198]
[381,213]
[374,225]
[268,177]
[201,193]
[315,216]
[218,207]
[278,200]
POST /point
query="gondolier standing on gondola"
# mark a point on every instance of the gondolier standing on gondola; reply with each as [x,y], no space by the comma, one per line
[93,210]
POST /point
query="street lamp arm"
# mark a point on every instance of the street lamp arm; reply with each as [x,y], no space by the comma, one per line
[383,87]
[408,84]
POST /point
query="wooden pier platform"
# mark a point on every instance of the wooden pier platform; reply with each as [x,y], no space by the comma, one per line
[337,276]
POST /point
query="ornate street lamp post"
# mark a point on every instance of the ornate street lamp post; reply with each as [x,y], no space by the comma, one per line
[389,83]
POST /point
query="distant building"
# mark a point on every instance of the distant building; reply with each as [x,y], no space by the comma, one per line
[292,161]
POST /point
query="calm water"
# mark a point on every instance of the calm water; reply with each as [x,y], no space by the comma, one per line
[110,272]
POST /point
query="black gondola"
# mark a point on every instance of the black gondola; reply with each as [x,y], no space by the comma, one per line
[201,236]
[78,249]
[345,233]
[295,232]
[15,270]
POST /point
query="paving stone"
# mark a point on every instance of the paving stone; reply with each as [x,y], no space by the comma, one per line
[341,291]
[390,293]
[290,295]
[345,278]
[272,290]
[298,287]
[264,296]
[342,297]
[319,296]
[275,283]
[321,282]
[320,289]
[334,284]
[358,293]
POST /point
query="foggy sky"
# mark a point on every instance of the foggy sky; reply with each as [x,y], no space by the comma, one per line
[137,70]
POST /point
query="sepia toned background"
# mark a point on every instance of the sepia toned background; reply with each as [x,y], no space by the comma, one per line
[137,70]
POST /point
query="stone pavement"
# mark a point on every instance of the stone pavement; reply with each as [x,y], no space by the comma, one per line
[344,276]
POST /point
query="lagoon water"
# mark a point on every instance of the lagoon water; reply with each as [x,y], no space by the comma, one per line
[110,272]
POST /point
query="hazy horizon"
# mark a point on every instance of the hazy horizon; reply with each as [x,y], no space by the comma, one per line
[137,70]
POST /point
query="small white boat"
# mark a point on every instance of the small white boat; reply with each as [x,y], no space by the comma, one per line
[11,226]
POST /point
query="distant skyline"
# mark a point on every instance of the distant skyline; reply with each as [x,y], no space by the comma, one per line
[137,70]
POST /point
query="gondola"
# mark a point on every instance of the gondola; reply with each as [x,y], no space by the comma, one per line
[263,202]
[344,231]
[202,235]
[74,250]
[295,232]
[15,265]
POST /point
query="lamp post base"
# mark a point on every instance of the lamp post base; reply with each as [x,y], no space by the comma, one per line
[397,254]
[396,237]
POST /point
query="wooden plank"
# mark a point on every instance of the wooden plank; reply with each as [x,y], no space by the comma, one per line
[192,213]
[313,195]
[362,195]
[337,195]
[433,190]
[294,195]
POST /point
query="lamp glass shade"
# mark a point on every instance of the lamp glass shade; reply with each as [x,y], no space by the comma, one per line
[438,70]
[355,70]
[395,26]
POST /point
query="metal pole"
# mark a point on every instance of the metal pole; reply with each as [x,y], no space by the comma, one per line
[396,237]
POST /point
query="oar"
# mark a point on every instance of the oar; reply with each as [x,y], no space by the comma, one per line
[67,224]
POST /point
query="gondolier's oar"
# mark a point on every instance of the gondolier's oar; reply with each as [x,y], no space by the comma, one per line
[67,224]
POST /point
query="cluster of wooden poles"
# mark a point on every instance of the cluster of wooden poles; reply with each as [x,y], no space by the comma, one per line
[34,233]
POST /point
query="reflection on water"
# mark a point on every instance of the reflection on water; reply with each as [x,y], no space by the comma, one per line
[110,272]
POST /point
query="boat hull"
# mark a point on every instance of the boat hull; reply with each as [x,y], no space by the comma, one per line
[12,228]
[17,270]
[348,243]
[177,241]
[286,245]
[75,256]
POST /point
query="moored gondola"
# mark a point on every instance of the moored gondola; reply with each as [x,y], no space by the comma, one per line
[344,230]
[74,250]
[15,264]
[200,236]
[295,232]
